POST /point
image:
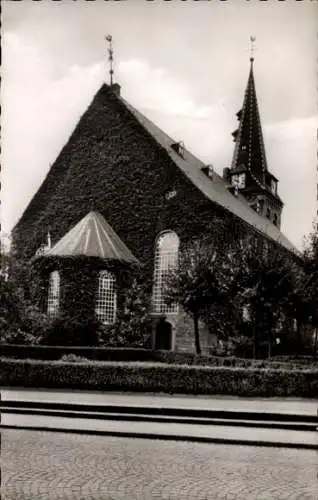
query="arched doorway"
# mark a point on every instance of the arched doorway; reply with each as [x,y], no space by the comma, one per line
[163,335]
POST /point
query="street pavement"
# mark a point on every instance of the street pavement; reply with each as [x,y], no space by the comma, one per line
[57,466]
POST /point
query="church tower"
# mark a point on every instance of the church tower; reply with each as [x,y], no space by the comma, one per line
[249,174]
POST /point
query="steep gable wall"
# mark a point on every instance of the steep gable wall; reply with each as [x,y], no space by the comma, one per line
[28,222]
[112,165]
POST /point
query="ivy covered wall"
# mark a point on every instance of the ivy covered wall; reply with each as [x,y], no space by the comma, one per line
[111,164]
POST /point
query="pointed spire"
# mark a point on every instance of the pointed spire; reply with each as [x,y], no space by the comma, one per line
[249,148]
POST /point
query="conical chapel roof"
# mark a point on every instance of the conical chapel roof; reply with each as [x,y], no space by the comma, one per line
[92,237]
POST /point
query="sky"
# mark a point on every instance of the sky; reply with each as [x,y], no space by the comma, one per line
[184,64]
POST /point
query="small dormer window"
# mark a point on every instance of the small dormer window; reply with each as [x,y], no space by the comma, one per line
[178,147]
[268,213]
[257,207]
[210,171]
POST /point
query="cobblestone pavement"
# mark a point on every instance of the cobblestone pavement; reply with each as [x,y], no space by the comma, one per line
[58,466]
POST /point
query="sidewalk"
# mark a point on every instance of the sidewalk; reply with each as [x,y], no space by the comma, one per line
[263,405]
[116,425]
[169,431]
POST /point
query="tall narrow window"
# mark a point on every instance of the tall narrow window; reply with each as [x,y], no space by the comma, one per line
[275,219]
[53,300]
[166,260]
[106,300]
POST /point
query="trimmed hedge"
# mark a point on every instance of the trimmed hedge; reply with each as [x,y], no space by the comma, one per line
[147,355]
[43,352]
[159,377]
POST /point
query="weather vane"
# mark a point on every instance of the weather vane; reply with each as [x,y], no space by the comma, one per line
[252,39]
[110,57]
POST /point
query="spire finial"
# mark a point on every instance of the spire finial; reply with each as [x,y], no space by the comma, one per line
[109,39]
[252,49]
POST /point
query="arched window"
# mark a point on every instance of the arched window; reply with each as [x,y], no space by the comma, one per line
[53,301]
[166,260]
[106,300]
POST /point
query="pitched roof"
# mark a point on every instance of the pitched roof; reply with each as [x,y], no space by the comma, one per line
[215,188]
[99,124]
[92,237]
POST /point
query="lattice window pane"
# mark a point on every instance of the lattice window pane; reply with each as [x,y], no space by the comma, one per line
[53,301]
[106,300]
[166,260]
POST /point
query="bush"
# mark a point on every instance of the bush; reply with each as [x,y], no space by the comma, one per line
[133,323]
[21,321]
[28,325]
[73,358]
[46,352]
[159,377]
[66,331]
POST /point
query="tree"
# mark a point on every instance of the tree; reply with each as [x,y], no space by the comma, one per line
[199,281]
[20,320]
[265,283]
[216,281]
[133,320]
[310,282]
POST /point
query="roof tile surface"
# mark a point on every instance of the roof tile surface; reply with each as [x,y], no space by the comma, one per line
[215,188]
[93,237]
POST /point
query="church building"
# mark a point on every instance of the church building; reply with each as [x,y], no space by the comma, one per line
[123,194]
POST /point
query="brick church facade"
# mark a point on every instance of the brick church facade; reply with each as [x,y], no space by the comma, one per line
[123,193]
